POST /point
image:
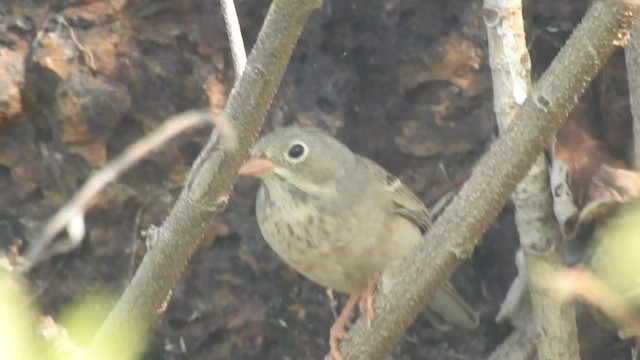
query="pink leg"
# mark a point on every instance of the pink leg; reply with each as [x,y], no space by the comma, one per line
[366,300]
[337,333]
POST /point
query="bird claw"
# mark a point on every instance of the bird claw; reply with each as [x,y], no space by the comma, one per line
[336,334]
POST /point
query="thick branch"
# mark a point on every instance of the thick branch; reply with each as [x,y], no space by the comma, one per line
[455,234]
[556,333]
[211,180]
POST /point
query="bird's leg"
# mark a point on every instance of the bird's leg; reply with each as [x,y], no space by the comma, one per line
[366,300]
[337,332]
[332,303]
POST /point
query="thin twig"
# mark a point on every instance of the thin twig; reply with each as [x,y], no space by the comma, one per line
[234,32]
[82,199]
[88,55]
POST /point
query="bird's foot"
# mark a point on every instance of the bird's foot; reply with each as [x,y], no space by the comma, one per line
[337,332]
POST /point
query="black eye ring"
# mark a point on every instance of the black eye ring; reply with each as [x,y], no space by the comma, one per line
[296,151]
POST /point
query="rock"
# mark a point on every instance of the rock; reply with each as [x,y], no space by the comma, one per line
[11,82]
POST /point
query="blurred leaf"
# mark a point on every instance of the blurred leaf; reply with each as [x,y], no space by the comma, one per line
[615,256]
[17,322]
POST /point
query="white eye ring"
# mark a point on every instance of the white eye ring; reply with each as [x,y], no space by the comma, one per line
[296,152]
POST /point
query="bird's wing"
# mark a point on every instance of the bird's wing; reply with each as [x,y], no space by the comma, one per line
[403,201]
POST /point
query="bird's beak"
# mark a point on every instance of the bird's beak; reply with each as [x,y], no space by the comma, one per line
[256,166]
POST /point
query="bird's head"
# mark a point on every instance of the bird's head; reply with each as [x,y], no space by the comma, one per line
[306,158]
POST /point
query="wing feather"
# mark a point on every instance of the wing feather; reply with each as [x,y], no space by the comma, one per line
[403,201]
[447,305]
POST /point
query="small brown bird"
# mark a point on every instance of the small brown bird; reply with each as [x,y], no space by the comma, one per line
[340,220]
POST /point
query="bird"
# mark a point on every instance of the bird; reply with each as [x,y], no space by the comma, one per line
[340,220]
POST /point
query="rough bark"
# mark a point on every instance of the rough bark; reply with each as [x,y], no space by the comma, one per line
[556,333]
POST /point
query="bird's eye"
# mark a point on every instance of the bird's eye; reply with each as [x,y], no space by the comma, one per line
[297,152]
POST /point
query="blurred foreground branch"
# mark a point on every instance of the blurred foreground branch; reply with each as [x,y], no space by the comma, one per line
[74,210]
[455,234]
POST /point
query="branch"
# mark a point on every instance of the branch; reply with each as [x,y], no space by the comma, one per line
[540,237]
[74,210]
[235,36]
[455,234]
[632,58]
[519,344]
[208,186]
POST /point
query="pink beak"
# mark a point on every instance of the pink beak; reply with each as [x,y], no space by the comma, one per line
[256,166]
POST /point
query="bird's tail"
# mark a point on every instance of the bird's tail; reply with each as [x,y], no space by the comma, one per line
[447,308]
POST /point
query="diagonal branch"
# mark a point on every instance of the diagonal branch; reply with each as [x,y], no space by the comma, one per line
[455,234]
[208,186]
